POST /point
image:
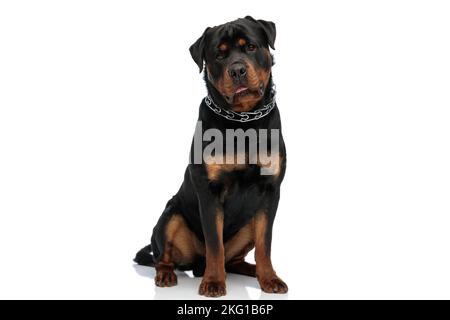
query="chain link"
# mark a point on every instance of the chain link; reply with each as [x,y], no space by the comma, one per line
[241,116]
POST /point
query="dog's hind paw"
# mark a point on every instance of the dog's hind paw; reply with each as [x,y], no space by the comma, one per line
[166,278]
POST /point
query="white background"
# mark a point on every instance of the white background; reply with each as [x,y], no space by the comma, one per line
[98,103]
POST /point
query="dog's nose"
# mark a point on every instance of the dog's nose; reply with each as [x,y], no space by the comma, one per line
[237,71]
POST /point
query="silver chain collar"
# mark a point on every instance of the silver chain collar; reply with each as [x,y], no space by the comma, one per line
[241,116]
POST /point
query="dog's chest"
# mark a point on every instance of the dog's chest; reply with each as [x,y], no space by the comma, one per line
[244,166]
[242,194]
[241,188]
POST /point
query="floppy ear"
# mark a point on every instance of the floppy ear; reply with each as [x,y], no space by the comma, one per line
[198,50]
[268,28]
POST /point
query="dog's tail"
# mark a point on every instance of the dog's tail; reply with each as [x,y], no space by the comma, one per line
[145,257]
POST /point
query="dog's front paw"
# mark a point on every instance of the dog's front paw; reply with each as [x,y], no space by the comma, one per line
[166,278]
[273,285]
[212,289]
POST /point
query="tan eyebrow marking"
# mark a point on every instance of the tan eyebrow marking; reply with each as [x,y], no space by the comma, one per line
[223,46]
[242,42]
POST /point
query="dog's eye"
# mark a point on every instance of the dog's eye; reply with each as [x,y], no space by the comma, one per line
[220,55]
[251,47]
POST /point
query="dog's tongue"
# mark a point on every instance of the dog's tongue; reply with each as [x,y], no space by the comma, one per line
[241,89]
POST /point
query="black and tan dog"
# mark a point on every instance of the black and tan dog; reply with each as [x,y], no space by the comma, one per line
[224,210]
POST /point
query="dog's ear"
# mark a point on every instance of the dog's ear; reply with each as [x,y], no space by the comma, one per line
[268,28]
[197,50]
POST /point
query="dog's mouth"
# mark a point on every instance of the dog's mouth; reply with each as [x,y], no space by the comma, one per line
[242,92]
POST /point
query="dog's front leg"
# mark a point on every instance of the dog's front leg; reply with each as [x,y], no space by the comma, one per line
[211,214]
[213,283]
[267,278]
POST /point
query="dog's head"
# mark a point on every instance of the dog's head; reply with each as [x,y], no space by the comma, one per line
[237,60]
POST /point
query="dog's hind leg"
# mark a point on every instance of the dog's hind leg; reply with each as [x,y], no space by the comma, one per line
[241,267]
[176,245]
[237,248]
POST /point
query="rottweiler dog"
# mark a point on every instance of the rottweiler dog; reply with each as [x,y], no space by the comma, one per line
[224,209]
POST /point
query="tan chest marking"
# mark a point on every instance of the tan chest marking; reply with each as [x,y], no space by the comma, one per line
[272,168]
[214,170]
